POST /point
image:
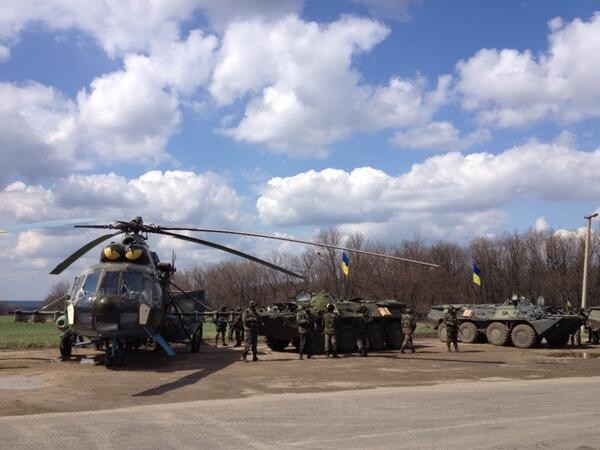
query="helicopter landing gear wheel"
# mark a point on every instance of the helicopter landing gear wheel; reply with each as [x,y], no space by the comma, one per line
[195,343]
[114,353]
[66,346]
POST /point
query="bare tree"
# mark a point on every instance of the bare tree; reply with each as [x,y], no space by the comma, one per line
[57,291]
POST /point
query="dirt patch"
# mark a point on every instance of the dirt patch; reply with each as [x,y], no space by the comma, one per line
[152,377]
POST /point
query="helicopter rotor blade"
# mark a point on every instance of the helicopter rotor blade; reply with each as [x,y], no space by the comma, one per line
[299,241]
[46,224]
[82,251]
[229,250]
[110,226]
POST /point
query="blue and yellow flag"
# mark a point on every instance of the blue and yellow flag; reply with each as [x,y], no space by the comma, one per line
[345,264]
[476,275]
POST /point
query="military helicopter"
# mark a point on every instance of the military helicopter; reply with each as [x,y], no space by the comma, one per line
[125,300]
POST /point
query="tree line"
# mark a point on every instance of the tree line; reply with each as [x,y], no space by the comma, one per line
[531,264]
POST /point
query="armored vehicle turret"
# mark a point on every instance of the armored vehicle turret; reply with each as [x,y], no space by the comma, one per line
[278,322]
[517,320]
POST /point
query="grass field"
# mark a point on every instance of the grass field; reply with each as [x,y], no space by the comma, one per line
[14,335]
[18,335]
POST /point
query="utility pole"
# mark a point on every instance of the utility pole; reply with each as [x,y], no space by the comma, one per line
[585,260]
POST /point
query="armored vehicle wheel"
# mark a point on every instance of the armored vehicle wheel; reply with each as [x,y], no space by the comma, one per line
[468,333]
[376,337]
[558,341]
[346,340]
[497,333]
[394,336]
[66,345]
[277,345]
[523,336]
[195,343]
[442,334]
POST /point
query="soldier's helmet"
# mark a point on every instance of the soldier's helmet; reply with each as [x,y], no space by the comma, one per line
[330,307]
[451,308]
[252,304]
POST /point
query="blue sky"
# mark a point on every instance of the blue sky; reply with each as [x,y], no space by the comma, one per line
[444,120]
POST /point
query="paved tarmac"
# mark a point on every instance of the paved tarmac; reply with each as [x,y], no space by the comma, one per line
[557,413]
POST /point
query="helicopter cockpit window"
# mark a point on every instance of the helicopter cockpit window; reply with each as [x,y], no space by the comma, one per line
[136,287]
[147,291]
[157,295]
[88,289]
[109,284]
[75,288]
[133,285]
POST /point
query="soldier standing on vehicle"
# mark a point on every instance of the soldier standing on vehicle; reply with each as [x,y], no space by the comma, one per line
[220,320]
[236,327]
[362,330]
[451,322]
[306,324]
[250,321]
[330,325]
[408,328]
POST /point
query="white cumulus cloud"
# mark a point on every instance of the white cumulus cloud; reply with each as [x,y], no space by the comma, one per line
[124,116]
[303,93]
[119,26]
[438,136]
[508,88]
[451,190]
[171,197]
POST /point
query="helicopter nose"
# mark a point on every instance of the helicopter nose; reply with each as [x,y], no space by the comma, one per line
[106,314]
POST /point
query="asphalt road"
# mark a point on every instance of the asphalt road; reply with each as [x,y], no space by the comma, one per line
[554,413]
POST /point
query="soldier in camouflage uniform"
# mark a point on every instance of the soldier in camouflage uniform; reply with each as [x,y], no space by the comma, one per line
[220,320]
[330,325]
[306,324]
[408,328]
[236,326]
[362,330]
[250,321]
[576,337]
[452,325]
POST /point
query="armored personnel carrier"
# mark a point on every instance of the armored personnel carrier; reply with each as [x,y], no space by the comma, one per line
[278,322]
[517,320]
